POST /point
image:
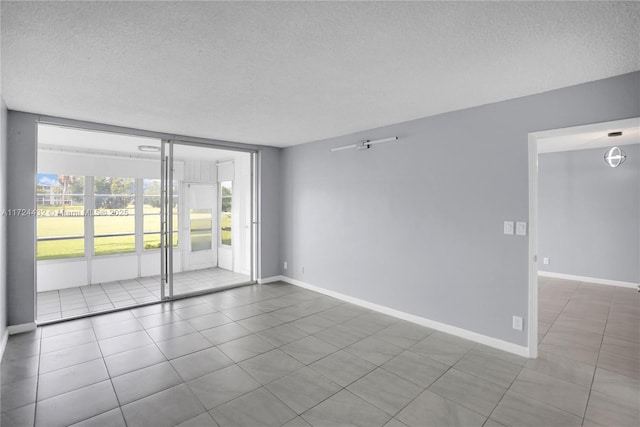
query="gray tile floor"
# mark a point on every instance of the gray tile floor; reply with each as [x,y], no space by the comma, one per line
[280,355]
[64,303]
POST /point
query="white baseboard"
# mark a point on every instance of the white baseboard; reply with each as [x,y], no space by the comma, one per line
[588,279]
[443,327]
[18,329]
[270,279]
[3,344]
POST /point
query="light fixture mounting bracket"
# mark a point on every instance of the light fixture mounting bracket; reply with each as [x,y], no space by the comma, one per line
[364,145]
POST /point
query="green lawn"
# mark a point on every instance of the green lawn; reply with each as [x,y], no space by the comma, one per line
[225,235]
[52,225]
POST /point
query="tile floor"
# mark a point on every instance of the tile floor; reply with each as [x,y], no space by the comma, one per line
[54,305]
[280,355]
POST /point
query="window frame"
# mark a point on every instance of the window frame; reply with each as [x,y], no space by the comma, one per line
[221,212]
[89,214]
[40,213]
[95,236]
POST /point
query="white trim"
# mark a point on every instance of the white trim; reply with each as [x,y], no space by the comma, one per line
[593,127]
[3,344]
[532,322]
[443,327]
[24,327]
[589,279]
[271,279]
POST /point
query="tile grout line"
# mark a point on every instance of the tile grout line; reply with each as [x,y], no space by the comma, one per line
[524,366]
[586,406]
[40,354]
[515,378]
[110,379]
[87,385]
[279,348]
[252,300]
[595,366]
[35,405]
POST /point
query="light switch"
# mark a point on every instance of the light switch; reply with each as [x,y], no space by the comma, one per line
[521,228]
[508,227]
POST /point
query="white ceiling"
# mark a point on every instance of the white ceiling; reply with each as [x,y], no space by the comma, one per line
[280,73]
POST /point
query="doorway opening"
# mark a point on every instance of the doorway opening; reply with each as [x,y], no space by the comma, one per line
[581,219]
[114,209]
[215,216]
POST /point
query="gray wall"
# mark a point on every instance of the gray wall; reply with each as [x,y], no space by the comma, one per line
[589,214]
[416,225]
[21,172]
[269,212]
[3,219]
[21,194]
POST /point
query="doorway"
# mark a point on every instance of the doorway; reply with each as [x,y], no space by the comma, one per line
[592,142]
[215,218]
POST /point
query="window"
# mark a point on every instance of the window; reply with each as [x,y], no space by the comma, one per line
[63,215]
[201,228]
[60,216]
[226,189]
[151,213]
[114,219]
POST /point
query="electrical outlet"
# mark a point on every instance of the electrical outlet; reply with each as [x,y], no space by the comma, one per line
[508,227]
[521,228]
[517,323]
[545,261]
[284,264]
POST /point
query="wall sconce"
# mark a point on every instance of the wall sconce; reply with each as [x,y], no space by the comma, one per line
[365,145]
[614,157]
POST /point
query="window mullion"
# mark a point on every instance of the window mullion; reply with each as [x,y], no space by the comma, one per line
[139,219]
[89,206]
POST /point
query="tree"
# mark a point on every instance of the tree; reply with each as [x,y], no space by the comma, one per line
[121,190]
[102,189]
[65,181]
[225,199]
[113,193]
[152,193]
[76,189]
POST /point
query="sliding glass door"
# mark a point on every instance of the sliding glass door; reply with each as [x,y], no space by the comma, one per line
[209,210]
[98,221]
[124,220]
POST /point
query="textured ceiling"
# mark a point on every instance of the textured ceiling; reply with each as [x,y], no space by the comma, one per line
[288,73]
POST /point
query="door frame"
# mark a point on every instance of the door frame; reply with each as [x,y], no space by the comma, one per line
[534,137]
[255,260]
[225,249]
[166,233]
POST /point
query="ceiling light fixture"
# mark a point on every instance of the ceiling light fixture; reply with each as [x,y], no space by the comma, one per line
[149,148]
[364,145]
[614,157]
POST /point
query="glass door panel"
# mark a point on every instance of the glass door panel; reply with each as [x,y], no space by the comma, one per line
[90,251]
[215,216]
